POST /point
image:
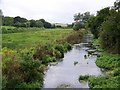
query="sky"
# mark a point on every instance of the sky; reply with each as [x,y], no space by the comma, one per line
[54,11]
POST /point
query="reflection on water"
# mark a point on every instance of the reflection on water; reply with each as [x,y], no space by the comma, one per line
[66,73]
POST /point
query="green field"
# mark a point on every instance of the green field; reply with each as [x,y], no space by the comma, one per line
[30,39]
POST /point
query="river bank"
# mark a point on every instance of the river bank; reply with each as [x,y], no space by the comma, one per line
[110,65]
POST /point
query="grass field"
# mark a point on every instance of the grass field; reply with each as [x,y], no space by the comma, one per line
[30,39]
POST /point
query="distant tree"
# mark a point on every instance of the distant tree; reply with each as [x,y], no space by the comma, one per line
[8,21]
[117,5]
[27,24]
[70,25]
[42,20]
[80,19]
[77,17]
[53,26]
[38,23]
[32,23]
[47,25]
[91,24]
[19,19]
[1,18]
[77,26]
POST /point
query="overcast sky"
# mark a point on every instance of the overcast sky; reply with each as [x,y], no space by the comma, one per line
[54,11]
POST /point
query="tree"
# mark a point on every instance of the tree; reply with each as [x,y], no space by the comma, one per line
[77,26]
[80,20]
[110,35]
[1,17]
[95,23]
[32,23]
[38,23]
[47,25]
[117,5]
[8,21]
[19,19]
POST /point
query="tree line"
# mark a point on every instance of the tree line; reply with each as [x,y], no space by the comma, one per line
[23,22]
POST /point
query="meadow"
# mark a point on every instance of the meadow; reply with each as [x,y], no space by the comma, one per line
[34,38]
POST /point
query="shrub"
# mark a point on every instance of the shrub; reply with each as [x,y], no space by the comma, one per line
[19,71]
[47,58]
[32,85]
[67,46]
[104,82]
[61,49]
[108,61]
[85,77]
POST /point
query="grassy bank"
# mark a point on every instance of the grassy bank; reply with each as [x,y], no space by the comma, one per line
[111,65]
[25,55]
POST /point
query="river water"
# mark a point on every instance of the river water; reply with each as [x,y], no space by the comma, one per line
[65,74]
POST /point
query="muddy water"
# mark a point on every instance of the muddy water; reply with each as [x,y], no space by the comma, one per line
[65,74]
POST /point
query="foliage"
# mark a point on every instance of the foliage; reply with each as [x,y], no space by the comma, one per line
[117,5]
[94,23]
[77,26]
[108,61]
[19,72]
[104,82]
[111,33]
[23,22]
[83,77]
[20,19]
[7,21]
[47,58]
[80,20]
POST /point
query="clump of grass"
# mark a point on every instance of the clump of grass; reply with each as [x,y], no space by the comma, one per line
[83,77]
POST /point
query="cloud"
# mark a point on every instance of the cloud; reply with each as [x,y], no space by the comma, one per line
[52,10]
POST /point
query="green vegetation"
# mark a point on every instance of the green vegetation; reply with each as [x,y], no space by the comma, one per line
[20,70]
[83,77]
[28,47]
[26,54]
[34,37]
[81,20]
[104,82]
[111,64]
[106,26]
[108,61]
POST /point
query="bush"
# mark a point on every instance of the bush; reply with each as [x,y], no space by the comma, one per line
[116,72]
[61,49]
[67,46]
[104,82]
[108,61]
[19,71]
[85,77]
[32,85]
[47,58]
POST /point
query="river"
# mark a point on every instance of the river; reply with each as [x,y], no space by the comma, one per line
[65,74]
